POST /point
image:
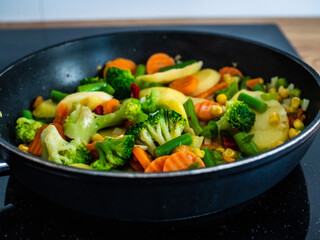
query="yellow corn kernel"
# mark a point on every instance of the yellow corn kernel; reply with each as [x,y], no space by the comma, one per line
[227,78]
[222,99]
[24,147]
[97,137]
[295,102]
[229,159]
[290,110]
[274,118]
[198,152]
[279,98]
[272,90]
[293,132]
[229,153]
[220,149]
[298,124]
[284,93]
[216,110]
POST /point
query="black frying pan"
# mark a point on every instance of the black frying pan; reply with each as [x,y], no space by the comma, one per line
[159,196]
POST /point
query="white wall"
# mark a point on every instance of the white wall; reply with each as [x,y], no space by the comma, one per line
[62,10]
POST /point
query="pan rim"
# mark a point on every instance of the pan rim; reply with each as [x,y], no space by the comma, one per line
[247,162]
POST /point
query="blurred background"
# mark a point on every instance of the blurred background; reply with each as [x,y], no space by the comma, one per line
[72,10]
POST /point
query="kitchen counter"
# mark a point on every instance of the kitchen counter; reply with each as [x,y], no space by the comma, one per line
[303,33]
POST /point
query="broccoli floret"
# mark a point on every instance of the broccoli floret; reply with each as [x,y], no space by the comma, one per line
[238,115]
[149,104]
[56,149]
[121,81]
[161,126]
[113,153]
[26,129]
[211,130]
[83,123]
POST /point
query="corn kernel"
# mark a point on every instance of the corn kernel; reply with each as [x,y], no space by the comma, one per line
[24,147]
[279,98]
[293,132]
[272,90]
[284,93]
[274,118]
[222,99]
[295,102]
[298,124]
[229,153]
[220,149]
[97,137]
[198,152]
[229,159]
[290,110]
[227,78]
[216,110]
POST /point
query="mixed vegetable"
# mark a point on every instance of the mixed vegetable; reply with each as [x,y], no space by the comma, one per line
[166,115]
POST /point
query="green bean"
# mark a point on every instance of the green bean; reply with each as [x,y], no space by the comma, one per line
[27,114]
[57,96]
[141,70]
[268,96]
[243,84]
[179,65]
[194,165]
[92,87]
[192,118]
[168,147]
[229,91]
[259,87]
[246,144]
[207,159]
[253,102]
[108,89]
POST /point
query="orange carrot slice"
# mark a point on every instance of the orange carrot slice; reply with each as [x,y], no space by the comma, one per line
[158,61]
[62,114]
[181,161]
[212,90]
[110,106]
[121,63]
[156,165]
[230,70]
[186,85]
[250,83]
[136,165]
[37,102]
[203,110]
[141,156]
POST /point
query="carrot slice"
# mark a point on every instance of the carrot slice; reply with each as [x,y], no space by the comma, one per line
[230,70]
[250,83]
[141,156]
[35,144]
[121,63]
[158,61]
[62,114]
[37,102]
[212,90]
[156,165]
[203,110]
[181,161]
[136,165]
[186,85]
[110,106]
[90,146]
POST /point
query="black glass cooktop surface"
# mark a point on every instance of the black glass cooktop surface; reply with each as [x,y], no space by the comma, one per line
[290,210]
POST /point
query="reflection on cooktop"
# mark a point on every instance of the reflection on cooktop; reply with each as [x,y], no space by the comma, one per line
[280,213]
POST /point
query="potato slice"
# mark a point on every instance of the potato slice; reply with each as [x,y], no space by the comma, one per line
[46,109]
[89,99]
[207,79]
[173,74]
[267,135]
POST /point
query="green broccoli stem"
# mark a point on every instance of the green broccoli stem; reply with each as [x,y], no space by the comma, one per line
[253,102]
[217,158]
[141,70]
[246,144]
[57,96]
[207,159]
[26,114]
[176,66]
[192,118]
[168,147]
